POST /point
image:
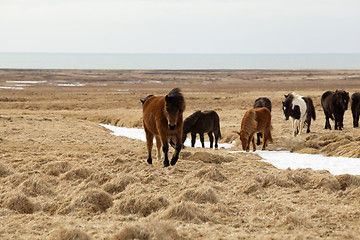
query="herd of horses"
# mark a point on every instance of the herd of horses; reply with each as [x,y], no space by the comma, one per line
[163,119]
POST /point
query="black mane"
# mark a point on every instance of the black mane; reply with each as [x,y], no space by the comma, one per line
[144,100]
[175,98]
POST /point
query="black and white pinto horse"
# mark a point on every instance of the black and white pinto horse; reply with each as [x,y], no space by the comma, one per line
[300,110]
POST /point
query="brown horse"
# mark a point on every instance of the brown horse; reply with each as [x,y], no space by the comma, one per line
[163,118]
[255,120]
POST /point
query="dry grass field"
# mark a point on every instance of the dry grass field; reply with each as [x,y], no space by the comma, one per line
[62,176]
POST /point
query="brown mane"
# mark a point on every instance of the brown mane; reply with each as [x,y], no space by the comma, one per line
[248,123]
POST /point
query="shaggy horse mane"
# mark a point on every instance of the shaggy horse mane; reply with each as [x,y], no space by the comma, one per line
[249,123]
[191,120]
[177,99]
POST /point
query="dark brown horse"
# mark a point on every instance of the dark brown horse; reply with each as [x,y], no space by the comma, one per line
[355,108]
[335,104]
[259,103]
[255,120]
[202,122]
[163,118]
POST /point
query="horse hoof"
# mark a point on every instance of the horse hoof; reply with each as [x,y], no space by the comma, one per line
[149,160]
[173,162]
[166,164]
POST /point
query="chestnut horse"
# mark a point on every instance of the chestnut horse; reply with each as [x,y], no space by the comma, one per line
[163,118]
[259,103]
[255,120]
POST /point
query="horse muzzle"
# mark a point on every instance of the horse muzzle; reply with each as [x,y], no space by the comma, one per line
[172,127]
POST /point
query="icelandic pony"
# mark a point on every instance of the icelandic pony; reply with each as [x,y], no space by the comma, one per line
[163,118]
[255,120]
[355,108]
[334,105]
[259,103]
[300,110]
[202,122]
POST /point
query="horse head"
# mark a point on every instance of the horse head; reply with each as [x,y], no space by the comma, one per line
[287,105]
[174,106]
[244,138]
[342,98]
[286,110]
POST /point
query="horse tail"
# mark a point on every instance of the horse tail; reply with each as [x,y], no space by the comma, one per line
[217,119]
[310,108]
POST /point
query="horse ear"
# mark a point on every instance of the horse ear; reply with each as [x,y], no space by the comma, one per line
[238,133]
[142,101]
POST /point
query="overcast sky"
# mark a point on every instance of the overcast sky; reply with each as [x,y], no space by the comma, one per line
[180,26]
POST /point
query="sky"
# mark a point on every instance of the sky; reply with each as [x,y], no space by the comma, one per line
[180,26]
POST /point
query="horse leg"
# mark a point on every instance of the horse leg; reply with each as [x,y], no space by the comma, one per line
[158,146]
[295,127]
[356,120]
[308,126]
[336,123]
[211,138]
[149,144]
[265,134]
[216,140]
[165,149]
[193,139]
[327,123]
[301,124]
[253,142]
[258,138]
[341,120]
[202,140]
[178,146]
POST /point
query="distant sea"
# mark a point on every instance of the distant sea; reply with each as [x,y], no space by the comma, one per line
[178,61]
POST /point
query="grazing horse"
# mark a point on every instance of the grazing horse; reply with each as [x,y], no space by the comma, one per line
[255,120]
[335,104]
[163,118]
[300,110]
[355,108]
[202,122]
[259,103]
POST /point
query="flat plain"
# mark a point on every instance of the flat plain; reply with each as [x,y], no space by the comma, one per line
[62,176]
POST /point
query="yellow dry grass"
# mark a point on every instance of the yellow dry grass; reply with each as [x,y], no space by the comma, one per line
[62,176]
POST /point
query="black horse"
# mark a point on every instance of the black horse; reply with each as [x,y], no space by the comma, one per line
[259,103]
[355,108]
[202,122]
[335,104]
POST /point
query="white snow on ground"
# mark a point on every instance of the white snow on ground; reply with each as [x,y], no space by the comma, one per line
[280,159]
[27,82]
[136,133]
[14,88]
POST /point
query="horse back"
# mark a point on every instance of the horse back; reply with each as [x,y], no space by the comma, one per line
[208,121]
[153,111]
[262,102]
[310,108]
[326,98]
[263,118]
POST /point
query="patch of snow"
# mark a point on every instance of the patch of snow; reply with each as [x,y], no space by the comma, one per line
[14,88]
[280,159]
[27,82]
